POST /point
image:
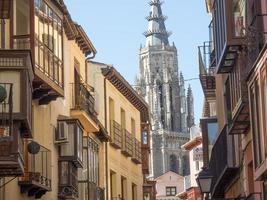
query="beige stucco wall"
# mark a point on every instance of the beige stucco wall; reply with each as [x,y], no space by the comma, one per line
[45,121]
[117,162]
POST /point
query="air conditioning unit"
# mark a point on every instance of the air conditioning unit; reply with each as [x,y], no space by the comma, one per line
[61,135]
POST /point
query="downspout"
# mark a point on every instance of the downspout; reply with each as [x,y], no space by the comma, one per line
[86,61]
[106,144]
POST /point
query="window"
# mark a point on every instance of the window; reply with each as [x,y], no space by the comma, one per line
[174,163]
[111,110]
[133,127]
[123,188]
[89,174]
[123,119]
[255,121]
[134,192]
[48,39]
[197,165]
[170,191]
[239,17]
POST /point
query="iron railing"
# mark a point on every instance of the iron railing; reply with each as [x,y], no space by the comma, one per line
[83,100]
[127,144]
[116,134]
[39,168]
[137,157]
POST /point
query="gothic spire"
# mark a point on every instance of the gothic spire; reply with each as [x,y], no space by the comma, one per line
[190,108]
[156,33]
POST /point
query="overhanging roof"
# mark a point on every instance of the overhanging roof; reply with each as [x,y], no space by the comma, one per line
[127,91]
[192,143]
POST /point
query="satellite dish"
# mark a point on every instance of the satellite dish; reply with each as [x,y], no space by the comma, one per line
[33,147]
[3,94]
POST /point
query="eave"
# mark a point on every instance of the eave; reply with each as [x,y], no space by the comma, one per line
[127,91]
[192,143]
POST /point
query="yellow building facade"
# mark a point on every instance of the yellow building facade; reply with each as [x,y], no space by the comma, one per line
[50,134]
[123,114]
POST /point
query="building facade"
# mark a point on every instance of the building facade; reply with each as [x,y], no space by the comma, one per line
[169,185]
[194,147]
[57,139]
[163,88]
[126,118]
[234,140]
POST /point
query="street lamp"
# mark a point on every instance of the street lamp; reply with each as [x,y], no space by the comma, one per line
[204,180]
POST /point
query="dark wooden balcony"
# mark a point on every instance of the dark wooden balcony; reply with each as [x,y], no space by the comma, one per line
[207,69]
[96,192]
[127,143]
[116,134]
[16,64]
[256,33]
[68,180]
[222,164]
[229,34]
[145,147]
[36,180]
[102,134]
[137,157]
[11,143]
[238,115]
[83,107]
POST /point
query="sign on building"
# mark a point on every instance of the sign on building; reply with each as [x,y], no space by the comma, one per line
[198,154]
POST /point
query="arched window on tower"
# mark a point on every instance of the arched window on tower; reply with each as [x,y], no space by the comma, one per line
[161,103]
[174,163]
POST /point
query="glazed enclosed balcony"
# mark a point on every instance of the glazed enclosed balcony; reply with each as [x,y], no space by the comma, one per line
[68,180]
[83,107]
[69,138]
[229,32]
[36,180]
[127,143]
[145,147]
[207,69]
[137,157]
[11,143]
[116,134]
[222,164]
[16,68]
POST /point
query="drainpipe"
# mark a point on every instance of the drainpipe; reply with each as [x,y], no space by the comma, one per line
[106,144]
[87,60]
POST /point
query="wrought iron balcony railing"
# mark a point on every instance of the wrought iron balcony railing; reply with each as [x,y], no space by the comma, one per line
[127,144]
[137,157]
[116,134]
[222,164]
[36,180]
[83,100]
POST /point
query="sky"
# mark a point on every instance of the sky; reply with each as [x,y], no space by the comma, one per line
[116,30]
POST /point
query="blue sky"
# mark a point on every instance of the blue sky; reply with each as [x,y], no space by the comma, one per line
[116,27]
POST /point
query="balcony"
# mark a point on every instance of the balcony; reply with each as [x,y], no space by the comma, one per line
[16,68]
[222,164]
[229,33]
[145,147]
[137,157]
[11,143]
[127,143]
[256,35]
[102,134]
[207,69]
[96,192]
[237,100]
[68,180]
[83,107]
[36,180]
[116,134]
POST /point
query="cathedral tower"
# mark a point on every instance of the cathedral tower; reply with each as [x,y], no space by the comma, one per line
[160,83]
